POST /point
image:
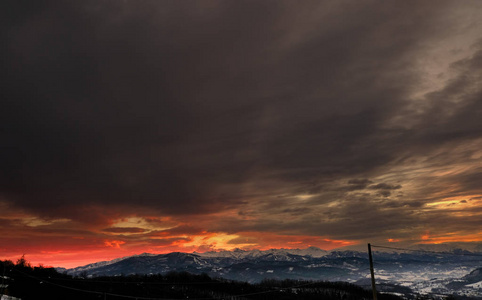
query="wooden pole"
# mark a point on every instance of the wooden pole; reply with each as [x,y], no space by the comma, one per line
[372,272]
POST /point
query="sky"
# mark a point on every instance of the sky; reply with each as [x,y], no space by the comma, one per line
[159,126]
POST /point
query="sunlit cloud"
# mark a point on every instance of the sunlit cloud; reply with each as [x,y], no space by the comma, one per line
[114,243]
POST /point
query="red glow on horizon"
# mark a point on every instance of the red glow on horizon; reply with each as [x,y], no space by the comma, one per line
[393,240]
[60,255]
[58,245]
[451,239]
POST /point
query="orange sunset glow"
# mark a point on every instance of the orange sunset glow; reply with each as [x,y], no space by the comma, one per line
[160,127]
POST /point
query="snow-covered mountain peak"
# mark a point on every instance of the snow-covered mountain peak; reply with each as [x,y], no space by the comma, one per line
[240,254]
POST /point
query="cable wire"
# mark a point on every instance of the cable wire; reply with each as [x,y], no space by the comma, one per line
[99,293]
[427,251]
[147,298]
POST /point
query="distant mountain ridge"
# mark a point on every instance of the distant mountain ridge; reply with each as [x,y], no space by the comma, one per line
[453,270]
[236,254]
[239,253]
[99,264]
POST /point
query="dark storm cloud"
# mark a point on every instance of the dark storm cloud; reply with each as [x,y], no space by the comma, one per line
[102,106]
[357,184]
[362,182]
[385,186]
[454,110]
[190,108]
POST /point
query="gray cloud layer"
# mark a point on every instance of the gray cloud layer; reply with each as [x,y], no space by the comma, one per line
[198,107]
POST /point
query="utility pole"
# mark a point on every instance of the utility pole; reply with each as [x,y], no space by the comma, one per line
[374,289]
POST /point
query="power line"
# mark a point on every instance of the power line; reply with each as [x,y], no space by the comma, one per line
[138,282]
[99,293]
[427,251]
[147,298]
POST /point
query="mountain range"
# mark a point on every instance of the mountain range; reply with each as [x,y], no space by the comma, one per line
[457,272]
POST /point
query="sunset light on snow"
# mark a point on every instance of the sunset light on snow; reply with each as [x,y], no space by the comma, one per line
[162,126]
